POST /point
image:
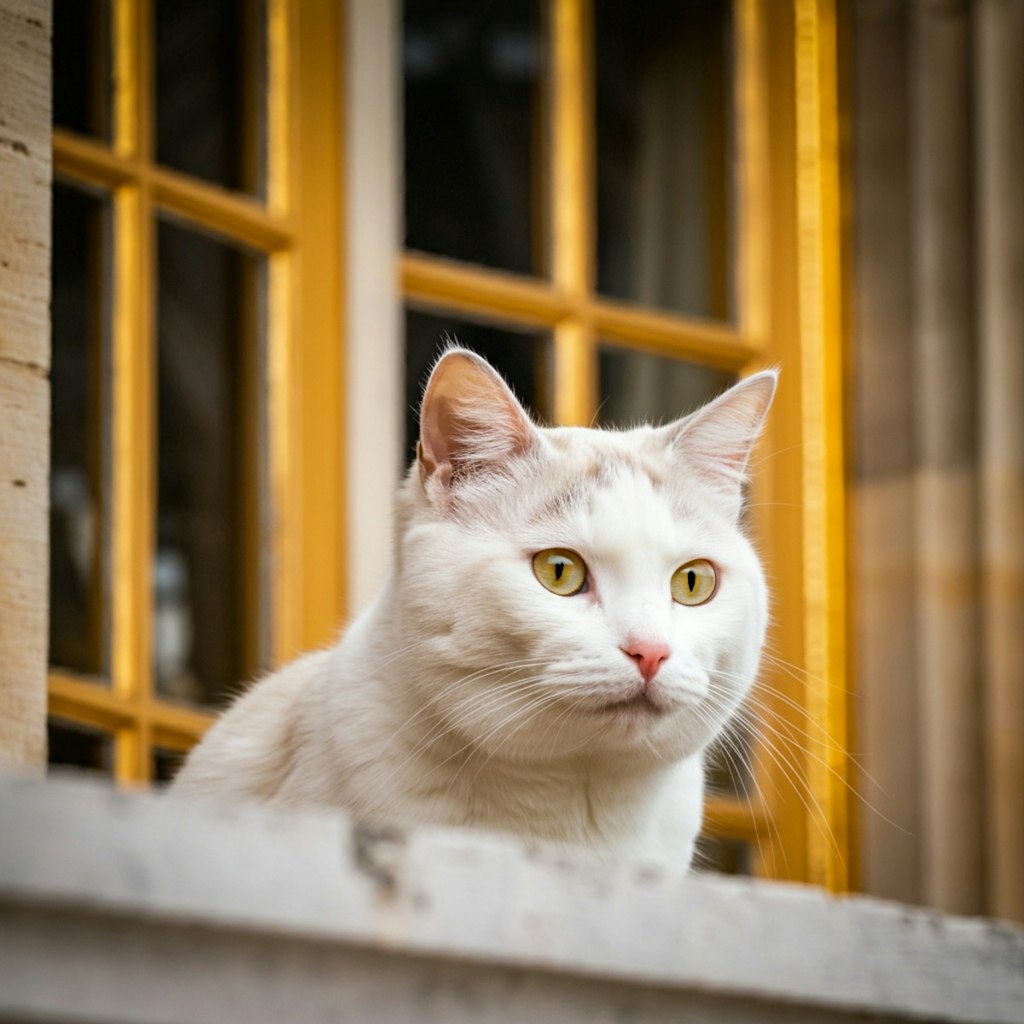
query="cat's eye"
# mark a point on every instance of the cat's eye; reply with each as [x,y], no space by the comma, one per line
[694,583]
[560,571]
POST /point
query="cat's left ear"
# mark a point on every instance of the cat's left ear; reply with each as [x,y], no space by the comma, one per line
[716,441]
[470,423]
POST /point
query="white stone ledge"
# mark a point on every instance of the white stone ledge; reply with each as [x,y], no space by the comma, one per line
[118,906]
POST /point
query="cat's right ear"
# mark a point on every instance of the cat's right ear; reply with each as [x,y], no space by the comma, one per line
[470,423]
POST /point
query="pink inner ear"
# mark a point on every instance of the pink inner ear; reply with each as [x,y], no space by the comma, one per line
[469,420]
[718,439]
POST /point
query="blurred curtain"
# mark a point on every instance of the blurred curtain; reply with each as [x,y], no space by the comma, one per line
[937,444]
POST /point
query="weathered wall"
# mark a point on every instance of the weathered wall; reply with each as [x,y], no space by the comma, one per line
[25,173]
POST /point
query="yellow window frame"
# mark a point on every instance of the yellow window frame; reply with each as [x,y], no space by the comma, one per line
[789,297]
[788,277]
[299,229]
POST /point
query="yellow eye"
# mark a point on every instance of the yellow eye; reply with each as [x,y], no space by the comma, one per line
[694,583]
[560,571]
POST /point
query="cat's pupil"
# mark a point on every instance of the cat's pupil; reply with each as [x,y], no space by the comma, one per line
[691,580]
[559,569]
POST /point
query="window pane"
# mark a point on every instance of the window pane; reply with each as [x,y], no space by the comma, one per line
[80,337]
[664,150]
[82,79]
[166,764]
[726,856]
[210,90]
[521,357]
[472,131]
[641,388]
[78,746]
[209,436]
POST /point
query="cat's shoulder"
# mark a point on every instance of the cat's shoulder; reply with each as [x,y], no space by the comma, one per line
[252,741]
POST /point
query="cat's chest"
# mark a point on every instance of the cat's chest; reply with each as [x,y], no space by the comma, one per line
[630,812]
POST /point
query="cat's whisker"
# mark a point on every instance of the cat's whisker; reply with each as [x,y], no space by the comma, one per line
[801,787]
[425,708]
[769,717]
[536,705]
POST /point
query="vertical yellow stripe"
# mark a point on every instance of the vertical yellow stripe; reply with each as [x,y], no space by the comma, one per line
[751,170]
[572,175]
[820,327]
[133,391]
[126,84]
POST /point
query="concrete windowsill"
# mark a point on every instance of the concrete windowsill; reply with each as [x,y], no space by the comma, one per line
[133,906]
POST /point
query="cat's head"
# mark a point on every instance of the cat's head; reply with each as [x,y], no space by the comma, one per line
[575,592]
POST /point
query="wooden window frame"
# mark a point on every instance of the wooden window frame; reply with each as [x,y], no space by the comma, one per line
[298,230]
[789,299]
[789,314]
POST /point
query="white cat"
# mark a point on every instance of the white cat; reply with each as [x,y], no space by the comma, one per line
[572,616]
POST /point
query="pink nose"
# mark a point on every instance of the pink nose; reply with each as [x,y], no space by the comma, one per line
[648,656]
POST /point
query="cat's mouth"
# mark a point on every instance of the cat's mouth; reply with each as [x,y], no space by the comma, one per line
[641,703]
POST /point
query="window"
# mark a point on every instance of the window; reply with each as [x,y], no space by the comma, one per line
[605,201]
[196,229]
[624,208]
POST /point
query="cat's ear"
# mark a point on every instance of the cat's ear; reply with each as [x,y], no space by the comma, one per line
[716,440]
[470,422]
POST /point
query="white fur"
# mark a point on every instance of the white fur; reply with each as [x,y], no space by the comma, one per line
[470,695]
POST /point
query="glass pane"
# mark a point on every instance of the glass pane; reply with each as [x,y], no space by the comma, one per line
[78,746]
[80,336]
[664,152]
[206,577]
[166,764]
[726,856]
[521,357]
[83,83]
[636,387]
[473,130]
[211,90]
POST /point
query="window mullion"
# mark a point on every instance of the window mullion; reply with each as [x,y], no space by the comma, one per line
[133,394]
[572,228]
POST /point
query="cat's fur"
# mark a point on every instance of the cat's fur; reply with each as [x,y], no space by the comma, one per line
[468,694]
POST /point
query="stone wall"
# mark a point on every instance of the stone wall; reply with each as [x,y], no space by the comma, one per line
[25,175]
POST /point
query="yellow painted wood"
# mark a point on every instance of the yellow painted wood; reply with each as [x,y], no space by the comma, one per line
[666,334]
[177,726]
[80,700]
[802,763]
[235,218]
[133,397]
[280,137]
[575,362]
[439,283]
[125,57]
[572,147]
[89,703]
[79,158]
[753,205]
[316,507]
[572,208]
[818,198]
[777,488]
